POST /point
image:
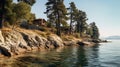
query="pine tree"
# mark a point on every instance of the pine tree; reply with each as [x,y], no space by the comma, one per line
[89,30]
[56,12]
[81,22]
[24,13]
[94,30]
[72,11]
[9,16]
[2,9]
[6,13]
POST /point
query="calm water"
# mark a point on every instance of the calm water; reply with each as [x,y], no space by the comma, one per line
[101,55]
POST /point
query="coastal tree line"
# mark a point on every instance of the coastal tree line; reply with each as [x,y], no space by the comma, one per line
[62,18]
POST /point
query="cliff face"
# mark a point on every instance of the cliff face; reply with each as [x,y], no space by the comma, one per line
[18,41]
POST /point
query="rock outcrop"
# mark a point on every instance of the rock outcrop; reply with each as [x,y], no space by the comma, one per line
[13,42]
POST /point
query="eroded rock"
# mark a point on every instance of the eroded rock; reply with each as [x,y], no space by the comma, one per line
[14,42]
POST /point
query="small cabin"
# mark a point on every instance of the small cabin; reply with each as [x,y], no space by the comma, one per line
[40,22]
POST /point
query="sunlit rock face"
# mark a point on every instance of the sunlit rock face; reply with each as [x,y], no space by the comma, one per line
[14,42]
[55,40]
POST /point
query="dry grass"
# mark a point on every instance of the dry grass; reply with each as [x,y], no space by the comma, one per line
[44,34]
[48,32]
[77,35]
[71,37]
[67,37]
[6,29]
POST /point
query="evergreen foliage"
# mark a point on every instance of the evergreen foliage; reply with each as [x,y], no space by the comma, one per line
[30,2]
[81,22]
[24,13]
[73,14]
[56,12]
[13,12]
[2,9]
[94,31]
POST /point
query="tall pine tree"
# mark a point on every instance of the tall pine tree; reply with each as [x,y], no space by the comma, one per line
[72,12]
[57,12]
[81,22]
[2,9]
[94,30]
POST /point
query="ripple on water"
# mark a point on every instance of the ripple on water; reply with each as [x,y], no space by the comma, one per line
[104,55]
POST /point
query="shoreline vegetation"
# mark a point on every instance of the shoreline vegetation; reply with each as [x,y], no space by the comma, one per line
[65,26]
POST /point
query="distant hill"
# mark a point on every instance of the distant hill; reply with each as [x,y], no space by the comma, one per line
[113,37]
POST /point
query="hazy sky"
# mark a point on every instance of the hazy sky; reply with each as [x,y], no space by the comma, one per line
[106,13]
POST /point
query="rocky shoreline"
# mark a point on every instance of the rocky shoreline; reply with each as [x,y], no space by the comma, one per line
[15,42]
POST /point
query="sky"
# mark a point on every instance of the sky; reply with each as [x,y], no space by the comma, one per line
[106,13]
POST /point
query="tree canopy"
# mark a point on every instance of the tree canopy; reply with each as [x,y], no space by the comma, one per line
[94,30]
[56,12]
[57,15]
[11,12]
[30,2]
[73,14]
[25,10]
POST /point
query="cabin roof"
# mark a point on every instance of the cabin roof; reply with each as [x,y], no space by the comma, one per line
[40,19]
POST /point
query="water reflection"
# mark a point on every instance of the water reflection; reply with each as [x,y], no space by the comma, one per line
[92,54]
[104,55]
[82,60]
[74,56]
[64,57]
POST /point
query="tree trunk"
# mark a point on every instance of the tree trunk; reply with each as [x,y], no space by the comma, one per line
[2,5]
[58,25]
[80,29]
[78,26]
[71,24]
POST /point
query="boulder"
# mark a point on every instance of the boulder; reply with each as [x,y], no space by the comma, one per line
[55,40]
[69,43]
